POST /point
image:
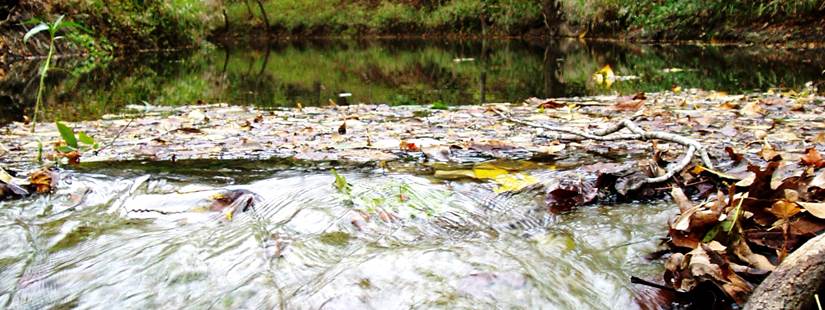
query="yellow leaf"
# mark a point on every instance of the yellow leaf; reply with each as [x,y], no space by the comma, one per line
[454,174]
[513,182]
[605,76]
[488,172]
[677,89]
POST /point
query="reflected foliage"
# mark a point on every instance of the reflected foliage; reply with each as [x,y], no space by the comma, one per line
[392,72]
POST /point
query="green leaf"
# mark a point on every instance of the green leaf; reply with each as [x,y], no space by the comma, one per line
[39,151]
[56,25]
[711,234]
[37,29]
[85,139]
[438,105]
[76,26]
[735,215]
[67,134]
[341,183]
[65,149]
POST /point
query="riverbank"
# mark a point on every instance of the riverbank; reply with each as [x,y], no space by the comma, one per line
[114,29]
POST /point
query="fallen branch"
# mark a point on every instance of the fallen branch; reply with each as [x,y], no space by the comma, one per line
[795,283]
[636,133]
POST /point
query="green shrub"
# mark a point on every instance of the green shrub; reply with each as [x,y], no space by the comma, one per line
[389,17]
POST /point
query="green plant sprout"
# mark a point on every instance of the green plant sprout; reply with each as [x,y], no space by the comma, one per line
[53,28]
[72,139]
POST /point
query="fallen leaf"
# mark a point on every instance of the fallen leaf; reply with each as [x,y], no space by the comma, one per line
[768,153]
[410,147]
[343,128]
[784,209]
[676,89]
[752,109]
[43,180]
[565,193]
[680,199]
[819,138]
[628,105]
[513,182]
[604,76]
[736,157]
[743,251]
[729,131]
[813,158]
[814,208]
[550,104]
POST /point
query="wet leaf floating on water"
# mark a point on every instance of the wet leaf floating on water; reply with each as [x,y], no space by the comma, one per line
[513,182]
[605,76]
[813,158]
[341,184]
[43,180]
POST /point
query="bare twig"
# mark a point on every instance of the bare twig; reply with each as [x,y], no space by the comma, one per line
[609,133]
[122,129]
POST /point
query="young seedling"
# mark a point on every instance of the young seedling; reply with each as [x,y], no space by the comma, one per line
[74,143]
[52,28]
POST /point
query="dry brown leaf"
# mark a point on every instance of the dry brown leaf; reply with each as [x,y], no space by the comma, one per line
[628,105]
[43,180]
[784,209]
[814,208]
[729,105]
[743,251]
[813,158]
[73,157]
[680,199]
[768,153]
[819,138]
[406,146]
[752,109]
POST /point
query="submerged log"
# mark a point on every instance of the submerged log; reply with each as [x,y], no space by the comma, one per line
[793,284]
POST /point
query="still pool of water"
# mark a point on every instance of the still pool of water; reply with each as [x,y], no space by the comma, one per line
[396,241]
[394,72]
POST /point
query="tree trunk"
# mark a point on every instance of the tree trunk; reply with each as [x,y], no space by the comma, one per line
[551,11]
[793,284]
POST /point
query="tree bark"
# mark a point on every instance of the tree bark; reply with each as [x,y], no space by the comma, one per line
[551,11]
[793,284]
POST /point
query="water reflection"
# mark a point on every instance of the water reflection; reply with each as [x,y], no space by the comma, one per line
[394,72]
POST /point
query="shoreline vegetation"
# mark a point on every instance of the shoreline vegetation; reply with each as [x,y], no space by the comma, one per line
[120,27]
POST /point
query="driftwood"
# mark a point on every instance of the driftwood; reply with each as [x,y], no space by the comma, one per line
[609,133]
[795,282]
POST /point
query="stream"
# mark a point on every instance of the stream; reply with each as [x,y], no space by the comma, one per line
[305,245]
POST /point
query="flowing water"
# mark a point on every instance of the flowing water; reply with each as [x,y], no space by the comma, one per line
[398,240]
